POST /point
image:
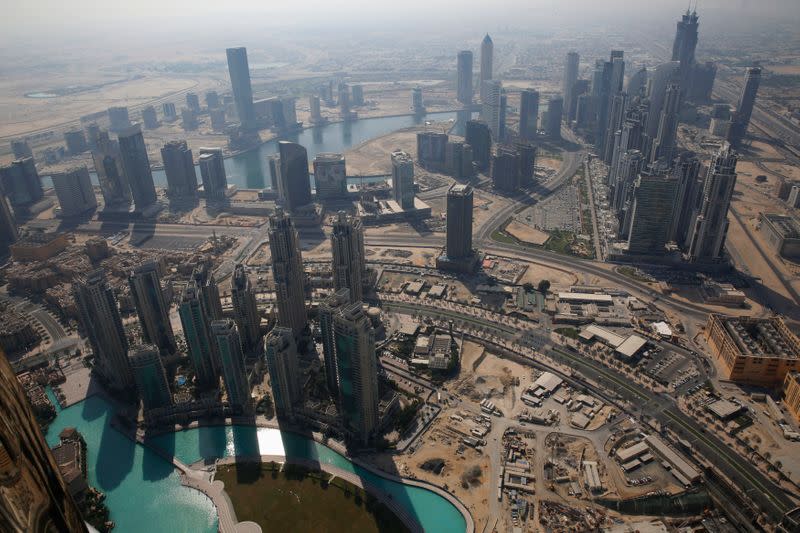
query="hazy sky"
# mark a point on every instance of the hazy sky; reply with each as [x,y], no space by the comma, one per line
[38,20]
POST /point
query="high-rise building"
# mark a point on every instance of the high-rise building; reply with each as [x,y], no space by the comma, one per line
[653,200]
[150,377]
[8,226]
[505,169]
[180,171]
[209,291]
[458,159]
[490,106]
[34,496]
[21,149]
[503,114]
[479,137]
[197,331]
[459,221]
[344,101]
[189,120]
[357,92]
[212,100]
[711,225]
[136,165]
[702,81]
[417,104]
[102,324]
[239,71]
[315,107]
[330,176]
[684,45]
[527,161]
[193,102]
[570,77]
[487,58]
[327,309]
[75,140]
[555,108]
[689,188]
[245,308]
[357,367]
[528,114]
[213,175]
[744,109]
[110,173]
[152,306]
[349,258]
[119,118]
[431,146]
[231,360]
[149,118]
[294,175]
[170,111]
[616,116]
[74,191]
[287,272]
[637,83]
[217,116]
[20,182]
[666,140]
[630,164]
[403,179]
[661,78]
[284,375]
[464,81]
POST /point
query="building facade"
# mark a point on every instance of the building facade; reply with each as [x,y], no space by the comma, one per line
[231,361]
[152,307]
[349,258]
[287,272]
[284,375]
[150,377]
[74,191]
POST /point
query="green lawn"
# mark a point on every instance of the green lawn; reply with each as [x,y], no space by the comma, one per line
[302,500]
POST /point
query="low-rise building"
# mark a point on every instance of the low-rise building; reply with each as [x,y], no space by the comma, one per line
[791,394]
[755,351]
[38,246]
[782,233]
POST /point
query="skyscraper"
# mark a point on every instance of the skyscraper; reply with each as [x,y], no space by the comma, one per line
[294,175]
[245,309]
[284,374]
[316,109]
[665,142]
[528,114]
[74,191]
[102,324]
[403,179]
[33,497]
[330,176]
[505,169]
[555,108]
[653,200]
[119,118]
[8,226]
[689,188]
[75,140]
[570,77]
[327,309]
[136,165]
[490,106]
[110,172]
[152,307]
[212,99]
[239,71]
[287,271]
[744,109]
[208,290]
[464,81]
[431,147]
[616,116]
[417,104]
[637,83]
[21,149]
[197,331]
[213,175]
[150,377]
[181,175]
[357,371]
[684,45]
[349,259]
[661,78]
[193,102]
[487,53]
[20,182]
[527,161]
[479,137]
[459,221]
[149,118]
[232,361]
[711,225]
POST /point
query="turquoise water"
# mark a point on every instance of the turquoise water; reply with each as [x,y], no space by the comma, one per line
[143,491]
[142,488]
[433,512]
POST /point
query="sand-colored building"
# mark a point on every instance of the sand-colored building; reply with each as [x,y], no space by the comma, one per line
[791,394]
[755,351]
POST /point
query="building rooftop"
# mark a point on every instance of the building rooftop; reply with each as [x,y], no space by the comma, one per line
[788,227]
[761,337]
